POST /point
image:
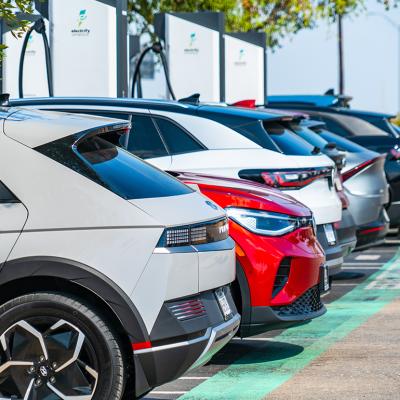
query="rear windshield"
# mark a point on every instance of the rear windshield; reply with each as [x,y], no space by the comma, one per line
[342,144]
[97,158]
[276,137]
[359,127]
[309,136]
[287,141]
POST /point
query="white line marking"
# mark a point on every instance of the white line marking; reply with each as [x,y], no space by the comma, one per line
[252,339]
[363,263]
[344,284]
[368,257]
[392,241]
[167,392]
[200,378]
[370,268]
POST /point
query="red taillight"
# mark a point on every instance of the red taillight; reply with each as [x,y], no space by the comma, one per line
[245,103]
[370,230]
[294,178]
[141,346]
[348,174]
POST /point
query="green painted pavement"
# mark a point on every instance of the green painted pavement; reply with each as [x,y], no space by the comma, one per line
[269,364]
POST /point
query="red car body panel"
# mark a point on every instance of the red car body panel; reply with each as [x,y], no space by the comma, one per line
[261,256]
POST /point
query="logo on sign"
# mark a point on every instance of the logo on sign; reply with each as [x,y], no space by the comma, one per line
[191,49]
[241,58]
[80,30]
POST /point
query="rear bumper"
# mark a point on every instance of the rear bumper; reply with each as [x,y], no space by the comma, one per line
[333,253]
[180,345]
[374,233]
[346,232]
[305,308]
[394,214]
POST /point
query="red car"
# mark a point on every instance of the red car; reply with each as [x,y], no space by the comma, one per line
[280,263]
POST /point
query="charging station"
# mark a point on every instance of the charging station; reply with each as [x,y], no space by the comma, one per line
[194,51]
[89,51]
[245,66]
[35,81]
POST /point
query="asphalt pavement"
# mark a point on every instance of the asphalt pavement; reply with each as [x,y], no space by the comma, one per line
[351,352]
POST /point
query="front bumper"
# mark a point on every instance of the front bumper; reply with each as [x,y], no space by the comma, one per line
[307,307]
[333,253]
[180,344]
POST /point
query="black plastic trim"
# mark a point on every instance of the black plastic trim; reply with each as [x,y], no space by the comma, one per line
[85,276]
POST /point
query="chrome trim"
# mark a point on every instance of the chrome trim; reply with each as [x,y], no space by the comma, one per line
[210,336]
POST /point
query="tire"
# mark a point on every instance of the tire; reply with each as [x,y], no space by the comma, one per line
[45,331]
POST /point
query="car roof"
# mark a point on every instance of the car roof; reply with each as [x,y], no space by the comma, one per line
[329,103]
[211,111]
[35,127]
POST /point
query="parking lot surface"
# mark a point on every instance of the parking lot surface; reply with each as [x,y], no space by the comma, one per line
[351,352]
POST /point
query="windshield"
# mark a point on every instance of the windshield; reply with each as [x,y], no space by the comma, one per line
[359,127]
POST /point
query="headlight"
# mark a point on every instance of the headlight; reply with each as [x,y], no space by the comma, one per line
[268,223]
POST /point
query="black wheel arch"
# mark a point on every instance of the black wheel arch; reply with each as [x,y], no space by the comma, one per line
[23,275]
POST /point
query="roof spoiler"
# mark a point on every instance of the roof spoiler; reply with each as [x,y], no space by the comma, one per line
[343,100]
[249,103]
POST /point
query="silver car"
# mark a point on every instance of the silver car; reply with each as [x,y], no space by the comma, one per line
[366,187]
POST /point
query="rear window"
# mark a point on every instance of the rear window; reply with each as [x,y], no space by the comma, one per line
[357,126]
[287,141]
[256,133]
[98,158]
[342,144]
[309,136]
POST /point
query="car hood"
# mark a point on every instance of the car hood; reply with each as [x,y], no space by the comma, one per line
[246,194]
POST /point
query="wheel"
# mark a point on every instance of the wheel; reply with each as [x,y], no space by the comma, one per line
[53,347]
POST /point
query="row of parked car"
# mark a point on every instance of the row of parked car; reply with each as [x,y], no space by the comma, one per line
[139,236]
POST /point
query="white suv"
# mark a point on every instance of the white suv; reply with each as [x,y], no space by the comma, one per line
[225,141]
[114,276]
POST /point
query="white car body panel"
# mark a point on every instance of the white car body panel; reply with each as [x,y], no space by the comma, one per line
[12,220]
[71,217]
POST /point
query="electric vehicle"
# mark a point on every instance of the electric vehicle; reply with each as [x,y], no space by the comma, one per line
[225,141]
[371,130]
[366,187]
[281,269]
[114,275]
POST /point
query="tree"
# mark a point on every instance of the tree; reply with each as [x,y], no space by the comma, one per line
[9,11]
[277,18]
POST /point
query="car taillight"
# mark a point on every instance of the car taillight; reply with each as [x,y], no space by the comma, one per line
[358,168]
[294,179]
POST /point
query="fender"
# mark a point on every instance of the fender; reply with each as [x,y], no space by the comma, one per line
[86,277]
[245,294]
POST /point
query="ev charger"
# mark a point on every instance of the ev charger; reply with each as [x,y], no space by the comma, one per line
[194,49]
[245,66]
[35,80]
[89,51]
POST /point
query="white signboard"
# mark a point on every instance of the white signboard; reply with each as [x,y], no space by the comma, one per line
[244,71]
[83,48]
[193,53]
[35,77]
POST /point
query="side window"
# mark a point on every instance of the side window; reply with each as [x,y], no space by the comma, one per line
[335,127]
[6,196]
[144,139]
[176,139]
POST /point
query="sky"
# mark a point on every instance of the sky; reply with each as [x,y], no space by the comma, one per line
[307,63]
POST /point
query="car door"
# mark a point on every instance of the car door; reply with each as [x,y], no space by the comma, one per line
[13,216]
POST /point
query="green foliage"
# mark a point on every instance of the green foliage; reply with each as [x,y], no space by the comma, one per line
[8,13]
[277,18]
